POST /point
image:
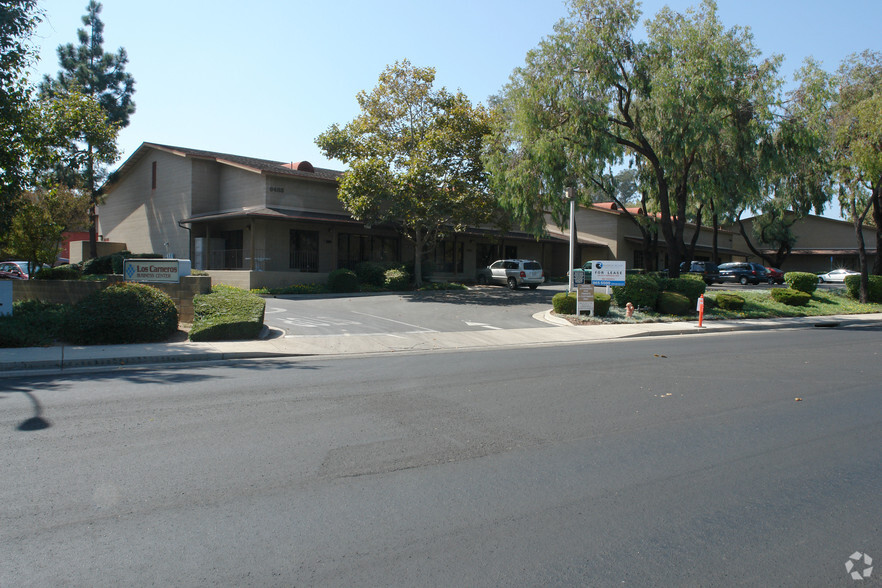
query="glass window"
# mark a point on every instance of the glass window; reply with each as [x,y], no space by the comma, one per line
[304,250]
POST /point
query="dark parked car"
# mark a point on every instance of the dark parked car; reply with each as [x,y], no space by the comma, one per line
[776,276]
[706,269]
[743,272]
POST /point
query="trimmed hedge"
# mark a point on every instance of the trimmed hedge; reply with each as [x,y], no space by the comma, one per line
[564,303]
[602,303]
[730,301]
[121,313]
[853,285]
[227,313]
[32,324]
[371,273]
[790,297]
[61,272]
[639,290]
[802,281]
[674,303]
[690,285]
[342,280]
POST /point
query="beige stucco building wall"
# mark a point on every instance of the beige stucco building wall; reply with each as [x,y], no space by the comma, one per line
[144,217]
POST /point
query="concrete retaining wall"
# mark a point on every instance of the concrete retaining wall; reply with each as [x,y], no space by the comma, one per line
[71,291]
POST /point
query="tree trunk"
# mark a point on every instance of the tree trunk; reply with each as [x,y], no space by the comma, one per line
[715,247]
[93,208]
[419,242]
[877,220]
[862,248]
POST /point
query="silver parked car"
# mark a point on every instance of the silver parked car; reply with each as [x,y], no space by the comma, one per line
[513,273]
[837,275]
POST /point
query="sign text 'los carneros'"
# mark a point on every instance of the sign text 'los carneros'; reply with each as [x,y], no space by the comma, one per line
[151,270]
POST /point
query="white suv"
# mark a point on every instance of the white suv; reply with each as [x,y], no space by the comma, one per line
[513,273]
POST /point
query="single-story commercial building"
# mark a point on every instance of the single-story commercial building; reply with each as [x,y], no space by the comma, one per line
[253,222]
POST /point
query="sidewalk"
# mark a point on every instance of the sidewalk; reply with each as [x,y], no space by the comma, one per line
[275,344]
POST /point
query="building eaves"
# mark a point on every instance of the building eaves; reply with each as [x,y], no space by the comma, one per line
[253,164]
[271,213]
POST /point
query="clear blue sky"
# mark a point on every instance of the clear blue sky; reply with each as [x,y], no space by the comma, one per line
[264,78]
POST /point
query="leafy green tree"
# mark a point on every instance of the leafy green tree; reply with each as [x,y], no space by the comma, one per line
[592,93]
[856,126]
[87,69]
[78,142]
[44,215]
[18,20]
[414,158]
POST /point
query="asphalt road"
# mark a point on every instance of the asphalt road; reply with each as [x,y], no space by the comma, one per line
[679,461]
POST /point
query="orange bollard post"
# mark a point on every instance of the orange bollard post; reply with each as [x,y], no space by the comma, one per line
[700,310]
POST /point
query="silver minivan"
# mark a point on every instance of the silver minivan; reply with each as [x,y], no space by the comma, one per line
[513,273]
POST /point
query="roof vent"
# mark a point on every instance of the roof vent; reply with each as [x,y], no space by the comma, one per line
[303,166]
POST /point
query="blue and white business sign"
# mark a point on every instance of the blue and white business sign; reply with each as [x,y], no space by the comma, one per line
[151,270]
[608,273]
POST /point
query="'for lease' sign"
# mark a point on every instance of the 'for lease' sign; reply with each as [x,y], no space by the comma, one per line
[608,273]
[151,270]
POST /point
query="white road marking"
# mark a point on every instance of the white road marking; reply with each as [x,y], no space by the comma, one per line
[421,329]
[484,325]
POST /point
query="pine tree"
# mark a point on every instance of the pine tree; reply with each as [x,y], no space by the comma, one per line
[87,69]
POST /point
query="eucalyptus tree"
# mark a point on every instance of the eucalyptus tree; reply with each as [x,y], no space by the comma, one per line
[856,129]
[414,157]
[793,170]
[87,69]
[592,93]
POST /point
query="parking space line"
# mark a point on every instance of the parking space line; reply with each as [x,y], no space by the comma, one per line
[421,329]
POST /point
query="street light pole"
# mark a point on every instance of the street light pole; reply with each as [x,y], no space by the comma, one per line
[570,194]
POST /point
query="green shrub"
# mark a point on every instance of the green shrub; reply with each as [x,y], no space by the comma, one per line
[639,290]
[397,279]
[601,303]
[790,297]
[61,272]
[342,280]
[660,278]
[730,301]
[564,303]
[98,265]
[32,324]
[853,285]
[371,273]
[227,313]
[690,285]
[117,259]
[673,303]
[802,281]
[709,303]
[121,313]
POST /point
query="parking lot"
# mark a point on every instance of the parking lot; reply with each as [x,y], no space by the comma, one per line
[479,308]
